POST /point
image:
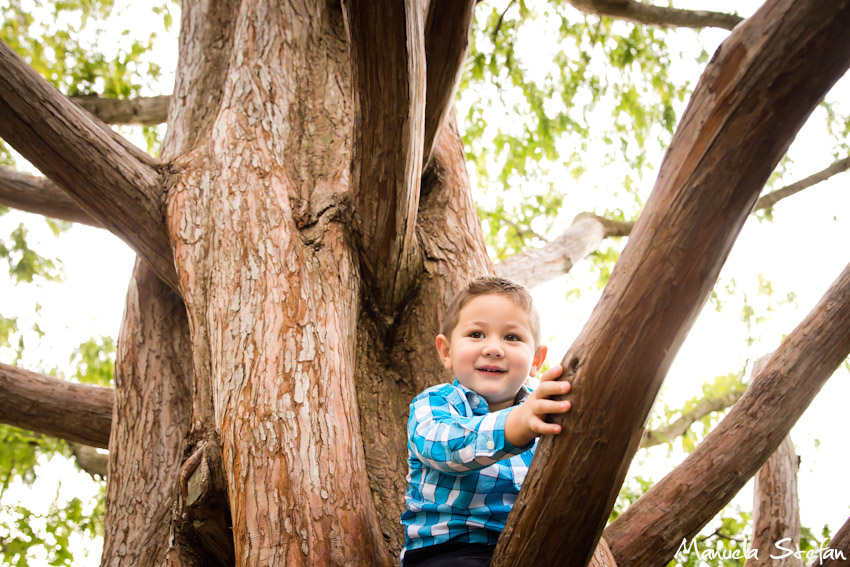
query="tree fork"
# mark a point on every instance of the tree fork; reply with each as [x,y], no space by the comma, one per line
[707,185]
[113,181]
[650,531]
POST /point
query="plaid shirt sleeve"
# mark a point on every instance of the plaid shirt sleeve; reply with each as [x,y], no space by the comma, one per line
[444,436]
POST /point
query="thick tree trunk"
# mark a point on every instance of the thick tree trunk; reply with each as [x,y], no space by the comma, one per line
[150,423]
[708,184]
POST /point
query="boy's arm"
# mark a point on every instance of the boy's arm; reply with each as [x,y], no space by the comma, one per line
[456,444]
[528,420]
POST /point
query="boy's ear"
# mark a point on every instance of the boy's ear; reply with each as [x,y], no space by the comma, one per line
[443,351]
[537,362]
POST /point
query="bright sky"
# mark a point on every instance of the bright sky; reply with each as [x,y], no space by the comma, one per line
[801,251]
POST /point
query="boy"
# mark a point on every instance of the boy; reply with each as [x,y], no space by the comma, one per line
[470,443]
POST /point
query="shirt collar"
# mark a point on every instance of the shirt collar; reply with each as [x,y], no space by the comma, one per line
[524,392]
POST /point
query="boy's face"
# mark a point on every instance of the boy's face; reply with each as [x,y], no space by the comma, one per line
[491,349]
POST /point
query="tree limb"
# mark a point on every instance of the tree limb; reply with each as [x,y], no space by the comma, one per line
[642,13]
[776,507]
[388,59]
[708,183]
[89,460]
[67,410]
[39,195]
[649,532]
[840,542]
[684,422]
[535,266]
[144,111]
[447,29]
[114,182]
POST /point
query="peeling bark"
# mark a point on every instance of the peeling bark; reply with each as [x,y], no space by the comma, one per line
[643,13]
[149,426]
[388,62]
[708,184]
[776,507]
[67,410]
[117,184]
[678,506]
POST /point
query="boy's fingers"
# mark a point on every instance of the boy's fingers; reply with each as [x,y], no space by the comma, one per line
[552,373]
[547,389]
[551,406]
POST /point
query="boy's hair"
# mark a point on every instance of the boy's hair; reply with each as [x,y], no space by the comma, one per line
[492,285]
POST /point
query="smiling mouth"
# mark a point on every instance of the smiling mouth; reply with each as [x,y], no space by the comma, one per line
[491,369]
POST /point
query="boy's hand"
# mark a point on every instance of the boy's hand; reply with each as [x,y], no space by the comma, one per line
[528,420]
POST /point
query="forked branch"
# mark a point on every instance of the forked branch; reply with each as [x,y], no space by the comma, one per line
[649,532]
[67,410]
[709,181]
[388,55]
[114,182]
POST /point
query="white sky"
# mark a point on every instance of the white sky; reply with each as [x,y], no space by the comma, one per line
[801,251]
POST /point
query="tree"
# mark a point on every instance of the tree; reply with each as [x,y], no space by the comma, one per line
[299,235]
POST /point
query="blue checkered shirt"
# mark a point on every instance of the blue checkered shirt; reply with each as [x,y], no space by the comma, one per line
[464,476]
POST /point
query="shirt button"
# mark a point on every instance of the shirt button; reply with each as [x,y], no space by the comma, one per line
[475,400]
[490,445]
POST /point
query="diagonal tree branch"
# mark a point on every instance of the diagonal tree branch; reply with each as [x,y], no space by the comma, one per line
[67,410]
[447,29]
[388,55]
[39,195]
[642,13]
[114,182]
[707,186]
[840,543]
[684,422]
[650,531]
[145,111]
[535,266]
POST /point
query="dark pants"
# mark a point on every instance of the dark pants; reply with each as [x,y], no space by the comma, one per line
[450,555]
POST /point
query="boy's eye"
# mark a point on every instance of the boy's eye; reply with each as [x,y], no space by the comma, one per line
[512,337]
[476,335]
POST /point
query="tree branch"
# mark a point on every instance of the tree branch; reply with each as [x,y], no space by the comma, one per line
[840,542]
[114,182]
[708,183]
[641,13]
[684,422]
[70,411]
[388,54]
[649,532]
[535,266]
[776,507]
[39,195]
[447,29]
[144,111]
[89,460]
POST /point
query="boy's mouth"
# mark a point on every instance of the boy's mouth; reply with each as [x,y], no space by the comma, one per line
[491,369]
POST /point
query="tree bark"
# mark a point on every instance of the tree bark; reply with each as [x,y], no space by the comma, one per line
[39,195]
[678,506]
[272,289]
[708,184]
[67,410]
[388,56]
[151,420]
[840,543]
[144,111]
[447,29]
[776,508]
[642,13]
[117,184]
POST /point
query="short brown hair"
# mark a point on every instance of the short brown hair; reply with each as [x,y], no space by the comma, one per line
[492,285]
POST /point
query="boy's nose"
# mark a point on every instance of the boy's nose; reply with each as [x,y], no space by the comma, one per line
[493,349]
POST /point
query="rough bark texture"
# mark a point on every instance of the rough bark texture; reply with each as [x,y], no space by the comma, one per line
[266,270]
[447,29]
[678,506]
[708,184]
[147,111]
[39,195]
[153,400]
[117,184]
[776,508]
[643,13]
[388,62]
[67,410]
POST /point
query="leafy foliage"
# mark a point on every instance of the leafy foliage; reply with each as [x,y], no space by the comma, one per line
[94,361]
